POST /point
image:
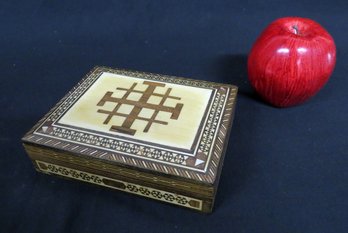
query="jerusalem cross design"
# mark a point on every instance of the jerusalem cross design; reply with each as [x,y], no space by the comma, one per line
[142,103]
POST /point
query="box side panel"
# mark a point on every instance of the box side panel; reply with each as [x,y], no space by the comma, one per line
[48,165]
[142,176]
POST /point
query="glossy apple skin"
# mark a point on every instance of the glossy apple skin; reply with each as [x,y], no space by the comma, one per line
[291,61]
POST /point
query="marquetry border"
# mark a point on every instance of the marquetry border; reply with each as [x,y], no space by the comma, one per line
[128,187]
[214,135]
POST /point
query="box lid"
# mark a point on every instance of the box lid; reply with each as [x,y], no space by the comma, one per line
[154,122]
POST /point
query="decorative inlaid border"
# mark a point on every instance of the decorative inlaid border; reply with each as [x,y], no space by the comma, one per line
[201,166]
[128,187]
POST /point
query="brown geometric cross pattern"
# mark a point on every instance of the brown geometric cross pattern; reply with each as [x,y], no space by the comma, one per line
[142,103]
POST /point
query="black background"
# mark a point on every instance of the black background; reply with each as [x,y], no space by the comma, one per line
[285,169]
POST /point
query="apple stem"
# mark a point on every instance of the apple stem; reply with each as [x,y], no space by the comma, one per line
[295,29]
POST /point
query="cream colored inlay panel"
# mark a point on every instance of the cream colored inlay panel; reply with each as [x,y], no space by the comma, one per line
[175,119]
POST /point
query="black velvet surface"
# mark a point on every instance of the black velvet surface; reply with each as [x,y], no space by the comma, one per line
[285,169]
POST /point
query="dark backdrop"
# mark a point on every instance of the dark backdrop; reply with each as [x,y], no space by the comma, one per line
[285,169]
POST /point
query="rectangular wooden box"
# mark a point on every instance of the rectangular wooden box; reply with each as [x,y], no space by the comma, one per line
[156,136]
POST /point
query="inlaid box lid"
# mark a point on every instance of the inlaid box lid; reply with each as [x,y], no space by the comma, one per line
[159,123]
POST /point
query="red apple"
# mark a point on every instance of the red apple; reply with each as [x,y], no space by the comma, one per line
[291,61]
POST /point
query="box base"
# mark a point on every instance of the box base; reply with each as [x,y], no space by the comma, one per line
[43,162]
[160,195]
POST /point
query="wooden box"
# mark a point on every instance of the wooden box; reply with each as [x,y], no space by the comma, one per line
[151,135]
